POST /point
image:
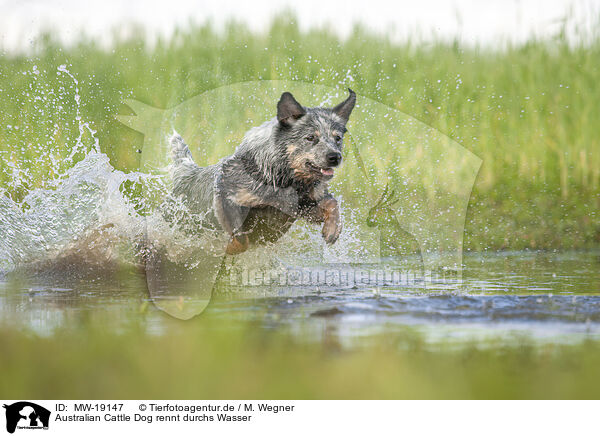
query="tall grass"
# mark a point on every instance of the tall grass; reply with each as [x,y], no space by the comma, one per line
[529,111]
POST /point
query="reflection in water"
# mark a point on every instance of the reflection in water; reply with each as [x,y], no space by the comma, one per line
[543,295]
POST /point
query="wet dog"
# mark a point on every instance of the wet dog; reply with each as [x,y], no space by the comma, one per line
[279,173]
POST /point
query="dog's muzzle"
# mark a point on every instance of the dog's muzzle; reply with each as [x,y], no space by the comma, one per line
[333,158]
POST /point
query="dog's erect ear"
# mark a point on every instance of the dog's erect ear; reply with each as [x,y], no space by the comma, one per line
[344,109]
[288,109]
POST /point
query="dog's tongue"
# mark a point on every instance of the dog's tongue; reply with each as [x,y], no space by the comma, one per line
[327,171]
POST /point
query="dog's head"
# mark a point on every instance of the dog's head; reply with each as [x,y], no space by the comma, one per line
[312,137]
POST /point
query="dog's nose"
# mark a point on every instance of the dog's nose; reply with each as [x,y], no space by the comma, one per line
[334,158]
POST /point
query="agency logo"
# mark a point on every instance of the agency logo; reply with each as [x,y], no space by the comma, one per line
[405,188]
[26,415]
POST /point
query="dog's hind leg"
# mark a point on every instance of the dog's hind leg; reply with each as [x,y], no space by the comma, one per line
[231,216]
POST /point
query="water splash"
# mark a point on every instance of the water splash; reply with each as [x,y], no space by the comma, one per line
[83,125]
[81,211]
[65,204]
[84,208]
[79,208]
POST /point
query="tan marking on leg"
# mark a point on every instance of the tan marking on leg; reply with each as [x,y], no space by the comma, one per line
[332,226]
[238,244]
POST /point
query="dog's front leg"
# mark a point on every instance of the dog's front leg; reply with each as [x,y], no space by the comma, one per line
[241,187]
[236,192]
[332,224]
[284,199]
[324,211]
[320,207]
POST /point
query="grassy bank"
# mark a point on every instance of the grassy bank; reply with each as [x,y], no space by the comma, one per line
[529,111]
[199,360]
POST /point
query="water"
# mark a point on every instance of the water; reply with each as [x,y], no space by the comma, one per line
[70,251]
[543,296]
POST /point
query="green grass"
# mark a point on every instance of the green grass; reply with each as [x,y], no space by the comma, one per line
[201,360]
[529,111]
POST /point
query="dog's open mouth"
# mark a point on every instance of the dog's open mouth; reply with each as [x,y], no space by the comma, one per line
[326,172]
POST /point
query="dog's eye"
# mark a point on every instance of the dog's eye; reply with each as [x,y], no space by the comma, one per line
[337,138]
[310,138]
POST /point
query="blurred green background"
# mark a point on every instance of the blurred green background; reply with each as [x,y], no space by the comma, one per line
[201,359]
[529,111]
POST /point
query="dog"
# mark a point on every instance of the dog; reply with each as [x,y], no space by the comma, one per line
[279,173]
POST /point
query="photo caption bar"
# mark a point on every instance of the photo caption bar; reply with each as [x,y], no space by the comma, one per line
[270,417]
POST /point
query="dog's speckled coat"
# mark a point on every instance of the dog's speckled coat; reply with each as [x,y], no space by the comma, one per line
[278,173]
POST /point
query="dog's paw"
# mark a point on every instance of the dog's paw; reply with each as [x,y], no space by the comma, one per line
[332,226]
[331,231]
[238,244]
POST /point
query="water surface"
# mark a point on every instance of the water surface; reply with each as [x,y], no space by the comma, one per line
[503,296]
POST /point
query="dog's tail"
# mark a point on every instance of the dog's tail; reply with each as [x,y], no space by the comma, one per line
[180,152]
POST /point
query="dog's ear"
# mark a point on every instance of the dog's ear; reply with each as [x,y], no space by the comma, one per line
[344,109]
[288,109]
